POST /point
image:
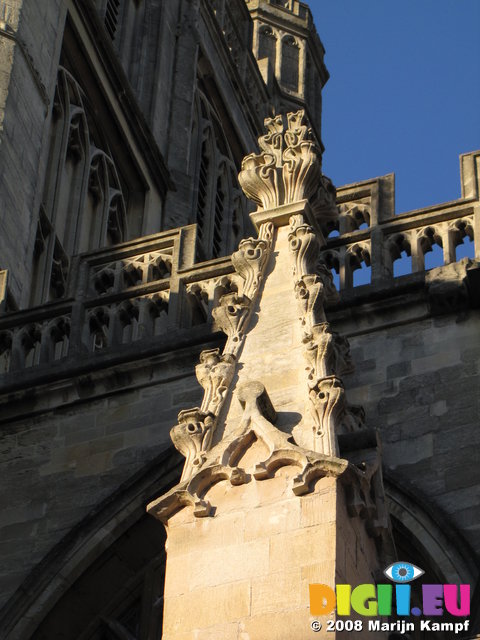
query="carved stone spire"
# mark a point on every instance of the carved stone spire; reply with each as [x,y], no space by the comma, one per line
[265,445]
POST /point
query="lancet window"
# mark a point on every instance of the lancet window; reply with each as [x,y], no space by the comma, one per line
[220,206]
[290,63]
[267,45]
[84,202]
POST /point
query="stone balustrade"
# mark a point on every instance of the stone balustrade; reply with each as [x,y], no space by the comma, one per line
[370,245]
[139,292]
[134,293]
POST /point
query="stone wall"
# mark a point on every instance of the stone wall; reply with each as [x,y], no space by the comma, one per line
[419,383]
[31,39]
[59,464]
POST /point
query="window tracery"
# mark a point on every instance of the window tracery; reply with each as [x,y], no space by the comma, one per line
[220,206]
[84,204]
[359,268]
[399,254]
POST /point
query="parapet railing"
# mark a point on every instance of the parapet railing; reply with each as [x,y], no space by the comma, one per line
[370,245]
[144,290]
[135,292]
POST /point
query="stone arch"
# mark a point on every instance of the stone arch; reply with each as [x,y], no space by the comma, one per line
[428,239]
[84,200]
[428,537]
[118,548]
[331,259]
[458,232]
[355,216]
[357,258]
[267,44]
[398,248]
[97,333]
[55,339]
[218,198]
[290,63]
[125,328]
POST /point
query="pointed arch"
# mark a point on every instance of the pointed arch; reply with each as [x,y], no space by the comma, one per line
[219,207]
[426,536]
[117,545]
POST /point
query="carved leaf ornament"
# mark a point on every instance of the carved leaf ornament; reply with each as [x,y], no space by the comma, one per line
[288,168]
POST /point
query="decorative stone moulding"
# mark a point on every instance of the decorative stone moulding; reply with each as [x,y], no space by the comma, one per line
[288,168]
[214,373]
[327,405]
[327,353]
[305,245]
[313,281]
[220,463]
[192,437]
[249,262]
[283,180]
[193,434]
[309,294]
[231,316]
[233,311]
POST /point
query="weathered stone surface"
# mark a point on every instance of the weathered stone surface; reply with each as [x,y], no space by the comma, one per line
[92,381]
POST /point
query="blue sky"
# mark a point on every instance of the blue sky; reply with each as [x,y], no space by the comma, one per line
[403,94]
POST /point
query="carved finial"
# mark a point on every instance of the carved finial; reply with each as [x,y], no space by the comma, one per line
[288,168]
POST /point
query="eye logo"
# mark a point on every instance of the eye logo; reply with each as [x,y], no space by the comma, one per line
[403,572]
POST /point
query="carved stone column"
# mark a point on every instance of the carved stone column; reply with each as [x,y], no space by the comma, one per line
[268,503]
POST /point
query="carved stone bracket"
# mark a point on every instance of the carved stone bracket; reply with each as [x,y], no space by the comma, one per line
[360,477]
[191,492]
[258,417]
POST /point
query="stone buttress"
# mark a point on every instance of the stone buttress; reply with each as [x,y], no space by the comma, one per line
[282,484]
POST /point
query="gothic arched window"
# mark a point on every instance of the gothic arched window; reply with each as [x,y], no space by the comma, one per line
[219,207]
[83,204]
[290,63]
[267,45]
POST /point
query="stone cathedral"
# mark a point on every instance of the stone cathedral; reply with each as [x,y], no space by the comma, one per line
[223,379]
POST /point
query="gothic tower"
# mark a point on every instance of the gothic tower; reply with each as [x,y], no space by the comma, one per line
[289,52]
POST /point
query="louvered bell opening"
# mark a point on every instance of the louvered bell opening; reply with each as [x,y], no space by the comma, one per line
[111,17]
[217,225]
